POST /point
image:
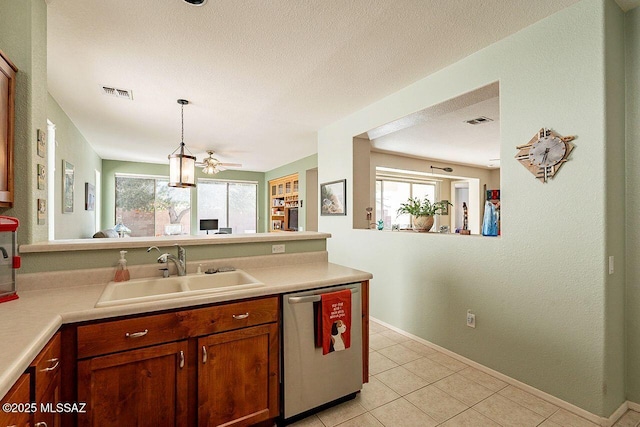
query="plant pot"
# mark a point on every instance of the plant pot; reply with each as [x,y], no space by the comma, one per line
[422,224]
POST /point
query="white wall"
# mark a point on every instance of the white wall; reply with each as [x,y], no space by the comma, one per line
[538,291]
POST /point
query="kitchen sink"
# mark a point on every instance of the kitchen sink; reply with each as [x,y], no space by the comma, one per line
[222,281]
[144,290]
[140,290]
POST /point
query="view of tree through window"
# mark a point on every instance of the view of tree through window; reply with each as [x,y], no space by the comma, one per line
[233,204]
[149,207]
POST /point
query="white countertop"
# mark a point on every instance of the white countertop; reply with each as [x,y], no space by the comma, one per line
[30,321]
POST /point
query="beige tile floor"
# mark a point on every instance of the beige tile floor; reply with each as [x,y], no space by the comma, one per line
[411,384]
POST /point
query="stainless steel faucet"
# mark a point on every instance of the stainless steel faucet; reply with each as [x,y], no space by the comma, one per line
[180,261]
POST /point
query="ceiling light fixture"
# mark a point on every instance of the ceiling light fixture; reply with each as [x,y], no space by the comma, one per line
[444,169]
[182,172]
[210,165]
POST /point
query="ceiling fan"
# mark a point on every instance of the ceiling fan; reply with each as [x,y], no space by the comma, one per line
[210,165]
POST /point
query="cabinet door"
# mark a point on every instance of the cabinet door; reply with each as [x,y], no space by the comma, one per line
[238,377]
[19,393]
[47,416]
[7,103]
[144,387]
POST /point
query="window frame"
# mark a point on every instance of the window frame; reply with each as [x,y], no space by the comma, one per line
[406,178]
[227,182]
[155,193]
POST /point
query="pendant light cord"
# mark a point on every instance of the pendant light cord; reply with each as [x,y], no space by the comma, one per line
[182,117]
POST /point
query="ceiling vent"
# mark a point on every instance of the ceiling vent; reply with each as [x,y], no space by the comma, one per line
[117,93]
[479,120]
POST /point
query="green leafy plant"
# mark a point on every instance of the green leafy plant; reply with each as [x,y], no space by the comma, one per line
[417,207]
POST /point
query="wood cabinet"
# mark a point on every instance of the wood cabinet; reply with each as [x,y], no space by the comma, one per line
[47,382]
[143,387]
[38,387]
[283,198]
[7,117]
[20,393]
[238,377]
[220,368]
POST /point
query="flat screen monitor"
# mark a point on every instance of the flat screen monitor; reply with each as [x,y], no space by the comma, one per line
[208,224]
[292,222]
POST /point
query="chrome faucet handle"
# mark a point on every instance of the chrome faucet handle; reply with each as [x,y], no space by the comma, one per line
[163,258]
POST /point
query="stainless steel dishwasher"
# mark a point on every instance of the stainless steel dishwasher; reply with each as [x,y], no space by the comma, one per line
[311,379]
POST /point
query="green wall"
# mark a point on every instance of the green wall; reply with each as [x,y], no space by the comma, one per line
[614,208]
[79,260]
[74,148]
[300,167]
[632,312]
[545,314]
[111,167]
[23,38]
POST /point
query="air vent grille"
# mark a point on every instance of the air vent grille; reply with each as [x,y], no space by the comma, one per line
[479,120]
[117,93]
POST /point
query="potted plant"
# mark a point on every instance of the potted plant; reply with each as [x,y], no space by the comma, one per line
[422,212]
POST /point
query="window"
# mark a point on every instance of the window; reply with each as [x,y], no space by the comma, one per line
[149,207]
[391,192]
[233,203]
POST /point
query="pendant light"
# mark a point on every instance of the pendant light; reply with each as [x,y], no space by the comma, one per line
[182,171]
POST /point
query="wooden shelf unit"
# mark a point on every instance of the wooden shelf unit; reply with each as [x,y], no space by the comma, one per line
[283,195]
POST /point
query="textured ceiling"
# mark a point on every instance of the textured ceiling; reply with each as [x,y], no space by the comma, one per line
[262,76]
[441,133]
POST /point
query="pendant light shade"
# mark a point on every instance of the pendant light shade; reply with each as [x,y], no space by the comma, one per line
[182,172]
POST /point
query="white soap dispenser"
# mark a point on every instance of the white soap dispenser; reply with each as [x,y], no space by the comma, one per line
[122,274]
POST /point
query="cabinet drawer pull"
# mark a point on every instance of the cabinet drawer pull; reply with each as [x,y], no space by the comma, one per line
[56,363]
[204,354]
[41,424]
[137,334]
[181,359]
[240,316]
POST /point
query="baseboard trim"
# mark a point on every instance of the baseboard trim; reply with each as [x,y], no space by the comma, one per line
[604,422]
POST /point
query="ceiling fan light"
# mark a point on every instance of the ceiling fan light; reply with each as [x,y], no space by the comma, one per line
[210,169]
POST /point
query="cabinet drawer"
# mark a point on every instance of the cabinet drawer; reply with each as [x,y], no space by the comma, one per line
[234,316]
[118,335]
[47,364]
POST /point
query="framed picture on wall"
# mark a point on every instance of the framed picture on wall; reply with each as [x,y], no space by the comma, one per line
[42,212]
[41,177]
[333,198]
[42,141]
[68,176]
[89,197]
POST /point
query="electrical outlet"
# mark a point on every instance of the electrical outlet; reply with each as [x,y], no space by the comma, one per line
[471,319]
[611,264]
[277,249]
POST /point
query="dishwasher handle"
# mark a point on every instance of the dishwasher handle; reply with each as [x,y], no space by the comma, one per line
[315,298]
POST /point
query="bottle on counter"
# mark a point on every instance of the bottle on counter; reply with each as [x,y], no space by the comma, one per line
[122,274]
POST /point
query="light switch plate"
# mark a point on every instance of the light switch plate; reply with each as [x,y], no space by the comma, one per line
[277,249]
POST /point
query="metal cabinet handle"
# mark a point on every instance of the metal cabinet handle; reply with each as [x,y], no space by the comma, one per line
[40,424]
[181,359]
[204,354]
[56,363]
[137,334]
[240,316]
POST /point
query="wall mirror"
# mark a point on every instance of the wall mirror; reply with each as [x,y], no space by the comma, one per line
[449,151]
